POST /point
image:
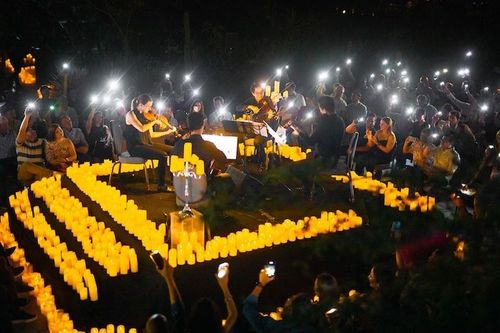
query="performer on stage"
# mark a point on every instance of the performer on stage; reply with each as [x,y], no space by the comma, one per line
[139,132]
[260,107]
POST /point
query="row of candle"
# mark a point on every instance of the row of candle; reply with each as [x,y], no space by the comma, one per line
[124,212]
[104,168]
[98,242]
[58,321]
[293,153]
[190,251]
[178,164]
[393,197]
[74,270]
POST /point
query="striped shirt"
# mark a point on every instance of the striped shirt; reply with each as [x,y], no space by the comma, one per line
[31,152]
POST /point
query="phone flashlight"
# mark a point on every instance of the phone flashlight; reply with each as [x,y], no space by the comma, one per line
[31,105]
[270,269]
[222,270]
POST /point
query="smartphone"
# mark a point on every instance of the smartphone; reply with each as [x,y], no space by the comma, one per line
[331,311]
[270,268]
[157,259]
[222,270]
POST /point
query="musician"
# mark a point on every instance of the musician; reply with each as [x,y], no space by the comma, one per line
[259,106]
[213,158]
[139,134]
[290,106]
[328,132]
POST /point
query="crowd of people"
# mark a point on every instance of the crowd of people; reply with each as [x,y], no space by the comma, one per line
[436,134]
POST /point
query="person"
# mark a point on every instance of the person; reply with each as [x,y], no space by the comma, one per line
[212,157]
[428,109]
[355,110]
[63,109]
[219,113]
[379,147]
[365,127]
[59,151]
[444,160]
[420,148]
[338,99]
[489,167]
[77,138]
[99,135]
[30,150]
[465,141]
[328,133]
[420,122]
[326,297]
[139,132]
[292,105]
[470,109]
[296,317]
[7,148]
[205,316]
[259,107]
[157,323]
[198,106]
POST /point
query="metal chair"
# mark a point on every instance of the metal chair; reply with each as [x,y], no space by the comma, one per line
[123,155]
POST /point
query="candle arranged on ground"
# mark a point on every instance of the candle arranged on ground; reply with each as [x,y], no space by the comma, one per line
[393,197]
[73,269]
[178,164]
[98,242]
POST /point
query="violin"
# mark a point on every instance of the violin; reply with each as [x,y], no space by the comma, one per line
[153,115]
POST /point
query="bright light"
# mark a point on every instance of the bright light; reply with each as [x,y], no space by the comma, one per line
[263,85]
[441,83]
[279,71]
[388,71]
[445,70]
[486,89]
[322,76]
[222,110]
[65,65]
[286,67]
[435,135]
[437,73]
[52,107]
[404,72]
[385,62]
[337,69]
[468,54]
[372,75]
[290,104]
[119,104]
[380,86]
[30,105]
[406,79]
[160,105]
[463,72]
[409,110]
[348,61]
[344,11]
[398,63]
[484,107]
[106,99]
[167,76]
[394,99]
[196,92]
[187,77]
[360,120]
[113,84]
[309,115]
[94,99]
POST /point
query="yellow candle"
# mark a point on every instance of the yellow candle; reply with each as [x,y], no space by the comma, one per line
[268,91]
[120,329]
[277,87]
[172,257]
[134,265]
[200,168]
[188,149]
[110,328]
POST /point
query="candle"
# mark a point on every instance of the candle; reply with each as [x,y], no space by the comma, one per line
[134,265]
[277,87]
[268,91]
[188,148]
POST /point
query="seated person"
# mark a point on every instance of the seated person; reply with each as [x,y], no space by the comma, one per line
[139,133]
[419,124]
[379,147]
[444,160]
[328,133]
[100,138]
[7,148]
[76,136]
[420,148]
[212,157]
[365,127]
[59,151]
[30,150]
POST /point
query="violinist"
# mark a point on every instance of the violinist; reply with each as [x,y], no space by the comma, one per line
[139,134]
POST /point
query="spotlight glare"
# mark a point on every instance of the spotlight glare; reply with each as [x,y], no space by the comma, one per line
[106,99]
[187,77]
[119,104]
[388,71]
[196,92]
[445,70]
[468,54]
[380,86]
[160,105]
[279,71]
[167,76]
[309,115]
[65,65]
[385,62]
[322,76]
[94,99]
[486,89]
[337,69]
[348,61]
[484,107]
[409,110]
[113,84]
[290,105]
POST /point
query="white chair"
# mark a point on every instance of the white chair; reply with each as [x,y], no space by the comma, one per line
[123,155]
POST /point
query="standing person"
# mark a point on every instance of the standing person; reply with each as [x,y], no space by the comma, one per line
[30,150]
[60,151]
[429,110]
[328,133]
[355,110]
[100,138]
[138,134]
[338,98]
[380,147]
